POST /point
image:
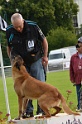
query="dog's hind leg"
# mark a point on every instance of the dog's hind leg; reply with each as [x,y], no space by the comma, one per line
[56,106]
[58,109]
[46,111]
[50,102]
[44,107]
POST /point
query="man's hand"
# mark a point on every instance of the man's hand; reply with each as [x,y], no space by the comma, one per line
[44,61]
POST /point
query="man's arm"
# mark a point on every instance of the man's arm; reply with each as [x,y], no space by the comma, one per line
[8,32]
[45,49]
[8,51]
[44,45]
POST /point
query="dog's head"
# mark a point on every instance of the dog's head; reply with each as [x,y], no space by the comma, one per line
[17,61]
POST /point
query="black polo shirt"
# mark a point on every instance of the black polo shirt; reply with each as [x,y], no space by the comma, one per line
[26,43]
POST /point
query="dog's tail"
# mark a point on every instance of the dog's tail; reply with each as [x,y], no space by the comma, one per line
[65,107]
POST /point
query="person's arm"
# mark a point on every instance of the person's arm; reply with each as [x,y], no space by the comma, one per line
[45,49]
[72,79]
[44,46]
[8,51]
[8,33]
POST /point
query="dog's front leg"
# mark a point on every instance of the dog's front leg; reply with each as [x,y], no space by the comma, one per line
[20,102]
[20,107]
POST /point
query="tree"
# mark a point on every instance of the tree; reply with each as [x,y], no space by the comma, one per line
[4,48]
[41,11]
[47,13]
[79,31]
[64,12]
[61,37]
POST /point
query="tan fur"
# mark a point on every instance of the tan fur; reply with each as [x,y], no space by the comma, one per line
[28,87]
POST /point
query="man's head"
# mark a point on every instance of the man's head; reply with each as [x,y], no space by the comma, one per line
[17,21]
[80,40]
[79,45]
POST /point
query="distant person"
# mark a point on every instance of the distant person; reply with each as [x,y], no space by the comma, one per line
[26,39]
[76,72]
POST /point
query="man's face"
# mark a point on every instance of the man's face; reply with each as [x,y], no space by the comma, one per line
[80,48]
[18,25]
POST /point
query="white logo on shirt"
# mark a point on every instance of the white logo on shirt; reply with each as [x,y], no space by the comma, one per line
[30,44]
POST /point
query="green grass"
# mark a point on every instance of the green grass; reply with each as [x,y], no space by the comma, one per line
[58,79]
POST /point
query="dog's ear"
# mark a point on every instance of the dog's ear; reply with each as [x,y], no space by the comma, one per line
[17,66]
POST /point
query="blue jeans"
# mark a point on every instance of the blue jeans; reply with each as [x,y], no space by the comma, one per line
[36,70]
[78,86]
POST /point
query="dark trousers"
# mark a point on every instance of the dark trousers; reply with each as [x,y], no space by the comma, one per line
[30,108]
[78,86]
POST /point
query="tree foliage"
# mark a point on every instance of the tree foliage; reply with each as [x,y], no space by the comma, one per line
[3,48]
[47,13]
[41,11]
[50,15]
[64,12]
[61,37]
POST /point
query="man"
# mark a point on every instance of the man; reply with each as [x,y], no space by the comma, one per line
[26,39]
[76,72]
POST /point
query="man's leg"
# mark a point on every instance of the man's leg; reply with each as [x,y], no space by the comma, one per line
[29,110]
[37,71]
[78,95]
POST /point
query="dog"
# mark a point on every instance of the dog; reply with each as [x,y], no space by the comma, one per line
[27,87]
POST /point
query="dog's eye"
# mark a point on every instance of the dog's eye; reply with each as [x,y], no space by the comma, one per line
[17,65]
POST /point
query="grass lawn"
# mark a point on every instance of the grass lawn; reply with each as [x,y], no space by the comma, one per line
[58,79]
